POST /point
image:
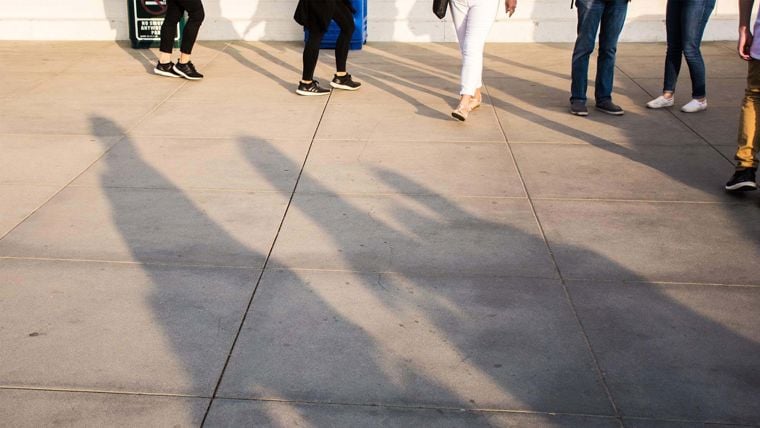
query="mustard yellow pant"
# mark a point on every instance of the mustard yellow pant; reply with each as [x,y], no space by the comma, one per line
[749,123]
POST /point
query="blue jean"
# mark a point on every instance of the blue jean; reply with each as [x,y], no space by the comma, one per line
[686,21]
[607,18]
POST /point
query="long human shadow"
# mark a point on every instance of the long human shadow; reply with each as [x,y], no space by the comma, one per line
[202,276]
[443,213]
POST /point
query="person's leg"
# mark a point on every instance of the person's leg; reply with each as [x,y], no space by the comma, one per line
[308,86]
[345,20]
[195,17]
[695,18]
[480,20]
[460,9]
[673,25]
[744,177]
[613,18]
[589,17]
[749,134]
[169,30]
[311,56]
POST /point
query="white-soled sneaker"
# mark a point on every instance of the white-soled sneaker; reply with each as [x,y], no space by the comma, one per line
[661,102]
[694,106]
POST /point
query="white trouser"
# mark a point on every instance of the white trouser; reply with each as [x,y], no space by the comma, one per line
[473,20]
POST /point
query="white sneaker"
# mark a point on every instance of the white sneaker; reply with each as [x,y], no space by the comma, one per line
[694,106]
[661,102]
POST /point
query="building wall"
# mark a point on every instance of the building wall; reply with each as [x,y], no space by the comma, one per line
[389,20]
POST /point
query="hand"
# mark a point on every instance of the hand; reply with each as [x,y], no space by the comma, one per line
[745,43]
[511,5]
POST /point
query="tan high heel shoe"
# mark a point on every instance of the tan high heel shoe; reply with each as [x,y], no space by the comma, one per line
[461,112]
[475,103]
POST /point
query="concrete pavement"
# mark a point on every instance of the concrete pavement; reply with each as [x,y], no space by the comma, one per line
[225,252]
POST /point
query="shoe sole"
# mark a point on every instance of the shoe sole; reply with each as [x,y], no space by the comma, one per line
[458,117]
[744,186]
[164,73]
[185,75]
[694,111]
[344,87]
[658,107]
[579,113]
[311,94]
[613,113]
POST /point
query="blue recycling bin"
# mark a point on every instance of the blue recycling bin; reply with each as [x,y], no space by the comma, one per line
[358,39]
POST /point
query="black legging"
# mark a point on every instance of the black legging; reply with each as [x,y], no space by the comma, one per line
[174,11]
[345,20]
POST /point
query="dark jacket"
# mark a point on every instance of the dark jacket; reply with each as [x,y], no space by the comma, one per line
[315,15]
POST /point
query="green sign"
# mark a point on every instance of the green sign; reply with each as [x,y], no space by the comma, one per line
[145,20]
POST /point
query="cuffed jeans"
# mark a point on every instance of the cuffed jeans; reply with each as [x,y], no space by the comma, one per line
[607,18]
[685,22]
[473,20]
[749,137]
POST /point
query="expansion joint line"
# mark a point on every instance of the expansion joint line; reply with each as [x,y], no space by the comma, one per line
[266,263]
[568,296]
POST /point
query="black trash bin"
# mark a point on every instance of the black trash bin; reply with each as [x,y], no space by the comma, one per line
[145,20]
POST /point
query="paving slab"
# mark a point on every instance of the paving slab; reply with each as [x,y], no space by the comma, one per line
[69,116]
[99,87]
[199,163]
[676,351]
[17,84]
[651,423]
[118,327]
[24,408]
[407,122]
[283,119]
[407,340]
[653,241]
[729,152]
[236,413]
[19,200]
[609,171]
[419,234]
[434,168]
[48,159]
[719,127]
[151,225]
[538,111]
[387,88]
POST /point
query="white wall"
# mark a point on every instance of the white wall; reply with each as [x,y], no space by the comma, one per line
[389,20]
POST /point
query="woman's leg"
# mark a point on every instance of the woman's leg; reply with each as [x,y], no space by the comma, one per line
[477,22]
[695,18]
[674,25]
[195,17]
[169,30]
[310,56]
[345,20]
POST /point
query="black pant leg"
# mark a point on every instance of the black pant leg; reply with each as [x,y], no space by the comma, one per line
[174,12]
[345,20]
[311,55]
[195,17]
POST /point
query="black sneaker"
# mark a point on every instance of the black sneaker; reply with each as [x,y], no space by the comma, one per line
[344,82]
[609,107]
[166,70]
[578,108]
[742,181]
[311,89]
[187,71]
